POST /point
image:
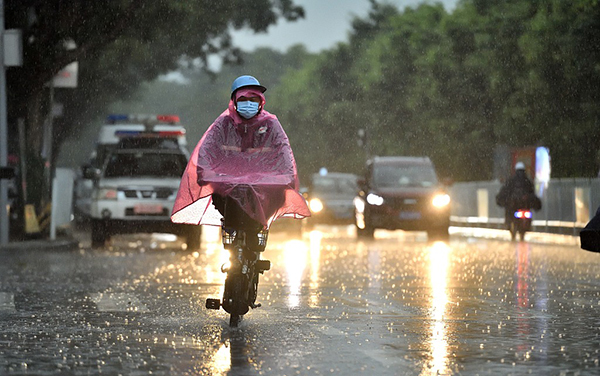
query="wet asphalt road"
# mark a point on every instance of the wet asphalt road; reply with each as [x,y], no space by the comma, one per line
[398,305]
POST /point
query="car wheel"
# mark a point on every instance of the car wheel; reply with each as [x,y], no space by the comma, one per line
[440,233]
[99,233]
[365,233]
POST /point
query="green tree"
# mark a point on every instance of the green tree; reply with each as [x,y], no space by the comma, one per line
[456,86]
[558,100]
[119,44]
[323,103]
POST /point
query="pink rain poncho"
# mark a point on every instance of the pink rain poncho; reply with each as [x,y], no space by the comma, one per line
[250,161]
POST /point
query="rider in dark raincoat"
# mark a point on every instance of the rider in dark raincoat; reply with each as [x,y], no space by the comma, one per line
[245,156]
[517,193]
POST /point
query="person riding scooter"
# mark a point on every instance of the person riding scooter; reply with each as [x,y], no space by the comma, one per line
[241,176]
[517,194]
[244,156]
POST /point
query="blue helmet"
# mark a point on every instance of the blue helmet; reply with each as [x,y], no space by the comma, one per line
[243,81]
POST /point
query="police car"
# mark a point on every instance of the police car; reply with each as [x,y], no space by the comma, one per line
[135,187]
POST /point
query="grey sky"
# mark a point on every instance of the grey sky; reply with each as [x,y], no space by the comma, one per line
[326,23]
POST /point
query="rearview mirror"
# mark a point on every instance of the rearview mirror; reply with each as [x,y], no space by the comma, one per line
[90,172]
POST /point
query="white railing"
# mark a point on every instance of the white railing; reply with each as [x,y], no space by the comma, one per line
[567,205]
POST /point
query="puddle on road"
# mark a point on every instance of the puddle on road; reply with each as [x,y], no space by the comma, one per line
[332,305]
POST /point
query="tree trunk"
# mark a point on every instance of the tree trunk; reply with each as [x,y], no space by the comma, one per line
[35,122]
[38,169]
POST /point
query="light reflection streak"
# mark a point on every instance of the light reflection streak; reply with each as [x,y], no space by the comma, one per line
[213,270]
[211,236]
[295,255]
[523,305]
[220,363]
[374,268]
[438,269]
[315,257]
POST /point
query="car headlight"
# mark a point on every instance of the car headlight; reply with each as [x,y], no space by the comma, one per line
[106,194]
[315,205]
[441,200]
[374,199]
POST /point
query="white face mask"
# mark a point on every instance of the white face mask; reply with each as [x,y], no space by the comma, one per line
[247,109]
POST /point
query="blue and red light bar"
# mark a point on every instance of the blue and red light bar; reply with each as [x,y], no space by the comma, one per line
[171,119]
[114,118]
[141,134]
[123,118]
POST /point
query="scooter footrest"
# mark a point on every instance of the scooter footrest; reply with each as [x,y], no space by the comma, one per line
[262,265]
[213,303]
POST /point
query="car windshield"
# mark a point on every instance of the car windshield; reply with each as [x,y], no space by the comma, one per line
[145,164]
[389,176]
[328,184]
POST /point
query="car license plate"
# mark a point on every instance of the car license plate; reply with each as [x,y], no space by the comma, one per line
[407,215]
[147,209]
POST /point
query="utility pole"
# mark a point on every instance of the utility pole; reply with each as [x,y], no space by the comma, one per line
[11,55]
[4,215]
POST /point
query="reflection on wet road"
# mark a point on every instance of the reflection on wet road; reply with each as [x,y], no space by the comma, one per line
[397,305]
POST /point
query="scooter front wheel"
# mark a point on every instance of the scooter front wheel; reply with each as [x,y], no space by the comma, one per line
[235,299]
[234,320]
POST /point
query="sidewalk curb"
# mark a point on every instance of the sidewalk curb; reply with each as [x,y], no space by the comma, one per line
[41,245]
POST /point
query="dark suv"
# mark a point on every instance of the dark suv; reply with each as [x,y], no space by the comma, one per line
[402,193]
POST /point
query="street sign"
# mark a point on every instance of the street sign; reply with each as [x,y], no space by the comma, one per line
[67,77]
[13,48]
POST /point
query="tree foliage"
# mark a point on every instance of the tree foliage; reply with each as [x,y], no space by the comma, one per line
[197,97]
[454,86]
[119,45]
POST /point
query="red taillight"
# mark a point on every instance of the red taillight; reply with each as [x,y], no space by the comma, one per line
[171,133]
[523,214]
[171,119]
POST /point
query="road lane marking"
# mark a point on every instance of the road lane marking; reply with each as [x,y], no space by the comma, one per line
[7,302]
[118,302]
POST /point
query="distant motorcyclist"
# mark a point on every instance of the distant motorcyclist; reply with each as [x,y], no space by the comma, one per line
[517,193]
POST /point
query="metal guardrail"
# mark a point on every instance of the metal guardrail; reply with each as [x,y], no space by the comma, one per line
[567,205]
